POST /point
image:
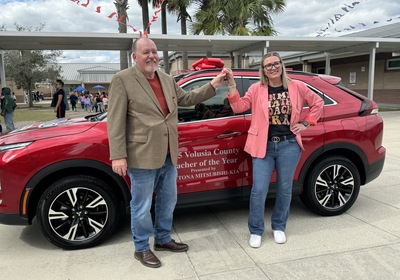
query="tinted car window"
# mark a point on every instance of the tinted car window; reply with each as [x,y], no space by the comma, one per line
[215,107]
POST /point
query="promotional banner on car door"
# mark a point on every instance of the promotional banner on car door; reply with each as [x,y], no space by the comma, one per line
[211,155]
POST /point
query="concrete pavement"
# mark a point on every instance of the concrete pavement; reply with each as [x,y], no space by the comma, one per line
[363,243]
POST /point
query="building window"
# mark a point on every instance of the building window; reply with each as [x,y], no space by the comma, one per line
[393,64]
[321,70]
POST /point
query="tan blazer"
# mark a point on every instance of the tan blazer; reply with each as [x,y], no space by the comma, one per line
[137,127]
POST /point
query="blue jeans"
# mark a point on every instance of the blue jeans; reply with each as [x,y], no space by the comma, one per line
[144,182]
[8,120]
[282,156]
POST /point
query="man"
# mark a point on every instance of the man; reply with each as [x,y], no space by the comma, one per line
[58,100]
[7,108]
[143,134]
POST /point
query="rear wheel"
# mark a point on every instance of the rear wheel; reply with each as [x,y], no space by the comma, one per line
[77,212]
[332,186]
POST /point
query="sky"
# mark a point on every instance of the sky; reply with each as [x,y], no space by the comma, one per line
[311,18]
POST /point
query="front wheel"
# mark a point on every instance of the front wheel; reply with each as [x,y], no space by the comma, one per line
[77,212]
[332,186]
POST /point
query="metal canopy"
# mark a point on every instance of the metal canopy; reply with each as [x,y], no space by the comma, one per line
[387,42]
[217,44]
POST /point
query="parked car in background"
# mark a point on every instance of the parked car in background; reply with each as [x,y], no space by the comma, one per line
[60,172]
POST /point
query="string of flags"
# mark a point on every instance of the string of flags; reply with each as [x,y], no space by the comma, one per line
[114,15]
[347,8]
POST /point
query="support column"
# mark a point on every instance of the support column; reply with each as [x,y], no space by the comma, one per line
[237,60]
[327,63]
[130,59]
[305,65]
[265,51]
[2,71]
[371,73]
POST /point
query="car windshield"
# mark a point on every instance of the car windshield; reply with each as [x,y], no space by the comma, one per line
[97,118]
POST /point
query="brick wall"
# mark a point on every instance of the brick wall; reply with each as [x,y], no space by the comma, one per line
[389,96]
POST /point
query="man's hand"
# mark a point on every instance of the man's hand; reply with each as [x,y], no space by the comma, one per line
[219,80]
[229,76]
[120,166]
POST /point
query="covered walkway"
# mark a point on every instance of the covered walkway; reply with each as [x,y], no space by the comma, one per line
[237,45]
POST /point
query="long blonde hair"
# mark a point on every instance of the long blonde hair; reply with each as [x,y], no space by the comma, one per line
[264,78]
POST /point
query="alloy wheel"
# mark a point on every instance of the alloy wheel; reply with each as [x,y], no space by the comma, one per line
[78,214]
[334,186]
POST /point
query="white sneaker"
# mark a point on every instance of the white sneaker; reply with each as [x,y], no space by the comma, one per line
[255,240]
[279,236]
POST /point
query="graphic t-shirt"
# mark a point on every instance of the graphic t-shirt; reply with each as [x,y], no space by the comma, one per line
[280,111]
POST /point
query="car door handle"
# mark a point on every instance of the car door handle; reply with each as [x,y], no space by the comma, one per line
[228,134]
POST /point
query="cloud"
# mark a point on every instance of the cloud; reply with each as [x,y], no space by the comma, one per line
[307,20]
[298,19]
[68,16]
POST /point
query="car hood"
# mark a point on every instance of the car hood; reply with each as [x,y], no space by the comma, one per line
[48,129]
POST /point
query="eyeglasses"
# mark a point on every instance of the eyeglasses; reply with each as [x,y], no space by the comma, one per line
[275,65]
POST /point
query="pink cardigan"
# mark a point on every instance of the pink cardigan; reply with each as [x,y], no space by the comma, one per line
[256,98]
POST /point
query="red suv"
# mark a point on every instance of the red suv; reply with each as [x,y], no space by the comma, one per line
[60,170]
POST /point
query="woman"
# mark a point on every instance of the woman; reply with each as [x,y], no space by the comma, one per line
[274,139]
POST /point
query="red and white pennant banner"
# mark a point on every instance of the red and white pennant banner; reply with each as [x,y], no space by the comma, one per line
[119,19]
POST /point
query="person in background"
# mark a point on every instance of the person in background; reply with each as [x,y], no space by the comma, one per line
[142,125]
[82,100]
[274,139]
[8,106]
[58,100]
[105,101]
[73,98]
[93,100]
[99,103]
[87,102]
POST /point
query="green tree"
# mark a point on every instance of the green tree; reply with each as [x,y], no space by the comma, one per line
[236,17]
[28,67]
[122,7]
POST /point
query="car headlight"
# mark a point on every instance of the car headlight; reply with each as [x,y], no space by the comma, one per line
[15,146]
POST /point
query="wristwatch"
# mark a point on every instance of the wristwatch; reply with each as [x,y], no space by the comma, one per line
[306,124]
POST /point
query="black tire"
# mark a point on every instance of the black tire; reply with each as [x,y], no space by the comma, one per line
[331,187]
[77,212]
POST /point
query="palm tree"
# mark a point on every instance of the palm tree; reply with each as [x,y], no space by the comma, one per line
[164,31]
[236,17]
[174,6]
[122,7]
[145,14]
[179,7]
